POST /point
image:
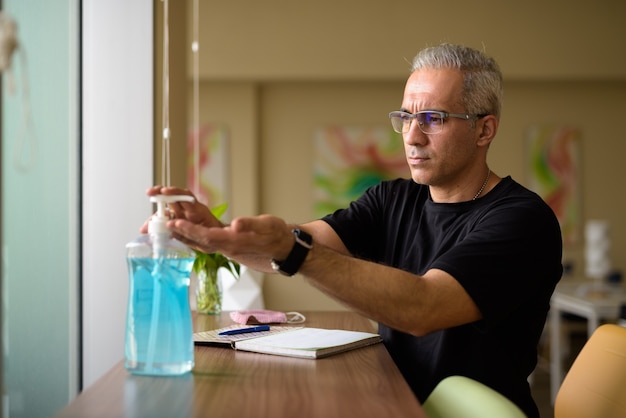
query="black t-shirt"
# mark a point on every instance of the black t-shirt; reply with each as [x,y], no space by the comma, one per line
[504,249]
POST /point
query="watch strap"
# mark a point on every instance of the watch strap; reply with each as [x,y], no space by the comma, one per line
[299,251]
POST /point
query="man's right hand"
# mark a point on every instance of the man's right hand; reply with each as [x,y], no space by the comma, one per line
[194,212]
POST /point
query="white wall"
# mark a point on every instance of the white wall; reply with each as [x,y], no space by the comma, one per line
[117,166]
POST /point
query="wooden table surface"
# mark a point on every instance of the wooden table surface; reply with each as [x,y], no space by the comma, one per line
[229,383]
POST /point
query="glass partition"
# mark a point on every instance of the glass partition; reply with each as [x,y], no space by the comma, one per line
[40,217]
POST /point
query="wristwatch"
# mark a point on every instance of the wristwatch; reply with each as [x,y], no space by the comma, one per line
[291,265]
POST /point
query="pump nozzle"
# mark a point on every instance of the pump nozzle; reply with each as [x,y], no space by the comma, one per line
[159,219]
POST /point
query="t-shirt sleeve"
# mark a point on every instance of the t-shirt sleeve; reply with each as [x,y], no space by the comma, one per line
[359,226]
[507,258]
[372,226]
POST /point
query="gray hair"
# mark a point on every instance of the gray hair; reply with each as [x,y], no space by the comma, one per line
[482,93]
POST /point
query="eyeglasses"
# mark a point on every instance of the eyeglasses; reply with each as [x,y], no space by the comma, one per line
[429,121]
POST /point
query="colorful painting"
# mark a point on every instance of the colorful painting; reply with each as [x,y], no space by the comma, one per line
[207,169]
[351,159]
[553,174]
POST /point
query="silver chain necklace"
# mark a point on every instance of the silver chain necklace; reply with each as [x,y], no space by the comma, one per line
[483,186]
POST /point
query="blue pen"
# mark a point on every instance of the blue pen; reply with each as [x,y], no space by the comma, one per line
[245,330]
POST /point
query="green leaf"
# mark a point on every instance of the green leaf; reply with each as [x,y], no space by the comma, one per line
[219,210]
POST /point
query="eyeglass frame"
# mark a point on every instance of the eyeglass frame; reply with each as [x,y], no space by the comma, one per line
[442,115]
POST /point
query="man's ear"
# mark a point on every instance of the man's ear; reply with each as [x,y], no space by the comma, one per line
[488,126]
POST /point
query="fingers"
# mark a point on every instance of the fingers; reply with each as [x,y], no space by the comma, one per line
[154,190]
[193,235]
[180,210]
[260,236]
[167,190]
[144,227]
[176,211]
[206,239]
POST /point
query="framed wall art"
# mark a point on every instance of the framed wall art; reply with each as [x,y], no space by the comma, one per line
[207,164]
[553,173]
[348,160]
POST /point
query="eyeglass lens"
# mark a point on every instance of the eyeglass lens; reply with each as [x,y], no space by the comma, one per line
[428,122]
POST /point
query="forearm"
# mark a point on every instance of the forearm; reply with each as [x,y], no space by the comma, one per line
[255,262]
[356,284]
[399,299]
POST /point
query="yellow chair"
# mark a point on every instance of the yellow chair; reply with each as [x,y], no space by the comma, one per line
[462,397]
[595,385]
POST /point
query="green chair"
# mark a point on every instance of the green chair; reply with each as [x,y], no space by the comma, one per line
[462,397]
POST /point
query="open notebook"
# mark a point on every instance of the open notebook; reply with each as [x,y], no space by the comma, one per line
[290,341]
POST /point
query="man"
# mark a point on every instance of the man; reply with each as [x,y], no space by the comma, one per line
[457,265]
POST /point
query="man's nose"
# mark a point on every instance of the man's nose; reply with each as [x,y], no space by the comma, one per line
[414,136]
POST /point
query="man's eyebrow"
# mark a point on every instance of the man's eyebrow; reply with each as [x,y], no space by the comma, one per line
[404,109]
[424,110]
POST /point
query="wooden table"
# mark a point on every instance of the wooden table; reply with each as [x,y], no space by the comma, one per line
[229,383]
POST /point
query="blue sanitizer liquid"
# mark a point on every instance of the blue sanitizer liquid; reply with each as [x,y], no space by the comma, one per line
[159,339]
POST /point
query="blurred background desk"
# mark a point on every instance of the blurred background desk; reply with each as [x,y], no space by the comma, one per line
[229,383]
[592,300]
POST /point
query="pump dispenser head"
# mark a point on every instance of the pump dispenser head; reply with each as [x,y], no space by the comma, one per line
[157,224]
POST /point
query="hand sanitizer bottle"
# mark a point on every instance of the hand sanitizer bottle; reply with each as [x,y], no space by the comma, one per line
[159,337]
